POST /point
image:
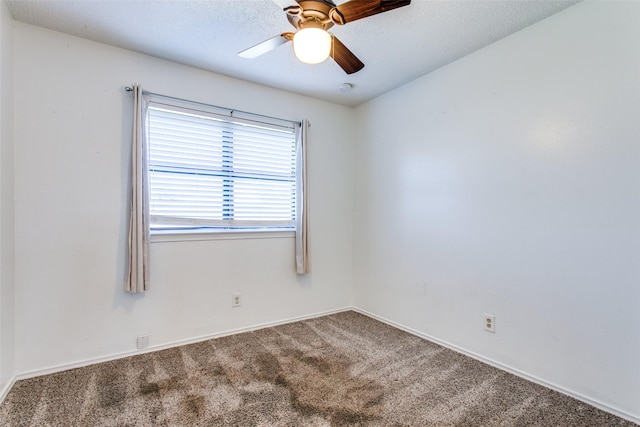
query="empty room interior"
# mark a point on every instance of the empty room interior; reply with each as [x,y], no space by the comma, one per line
[469,216]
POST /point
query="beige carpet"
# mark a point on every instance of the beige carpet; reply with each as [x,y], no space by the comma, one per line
[339,370]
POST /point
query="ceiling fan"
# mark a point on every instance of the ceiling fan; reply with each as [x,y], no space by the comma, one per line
[312,18]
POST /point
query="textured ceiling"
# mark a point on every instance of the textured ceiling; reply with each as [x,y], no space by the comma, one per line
[397,46]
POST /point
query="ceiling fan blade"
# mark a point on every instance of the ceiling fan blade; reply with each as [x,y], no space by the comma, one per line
[358,9]
[345,58]
[266,46]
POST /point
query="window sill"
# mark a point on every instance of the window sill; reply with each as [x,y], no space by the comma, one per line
[199,235]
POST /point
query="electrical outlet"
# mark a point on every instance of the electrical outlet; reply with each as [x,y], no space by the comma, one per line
[236,300]
[490,323]
[142,342]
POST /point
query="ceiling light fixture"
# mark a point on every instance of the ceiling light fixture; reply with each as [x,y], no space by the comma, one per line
[312,45]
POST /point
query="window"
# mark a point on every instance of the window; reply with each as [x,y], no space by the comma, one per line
[213,170]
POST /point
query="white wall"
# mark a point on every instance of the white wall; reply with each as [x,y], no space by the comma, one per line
[72,138]
[6,201]
[508,183]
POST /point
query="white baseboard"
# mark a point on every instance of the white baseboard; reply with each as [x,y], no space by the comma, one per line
[92,361]
[600,405]
[7,387]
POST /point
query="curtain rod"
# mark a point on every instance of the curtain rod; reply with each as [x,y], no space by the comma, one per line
[231,110]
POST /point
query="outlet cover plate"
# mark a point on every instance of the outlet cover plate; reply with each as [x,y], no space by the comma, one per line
[490,323]
[236,300]
[142,342]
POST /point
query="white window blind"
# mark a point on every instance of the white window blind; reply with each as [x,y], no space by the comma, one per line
[212,170]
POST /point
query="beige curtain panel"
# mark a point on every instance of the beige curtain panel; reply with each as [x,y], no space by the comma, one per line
[303,265]
[138,280]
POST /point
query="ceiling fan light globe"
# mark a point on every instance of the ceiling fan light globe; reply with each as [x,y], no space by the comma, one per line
[312,45]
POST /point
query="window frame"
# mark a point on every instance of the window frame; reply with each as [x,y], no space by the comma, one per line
[214,232]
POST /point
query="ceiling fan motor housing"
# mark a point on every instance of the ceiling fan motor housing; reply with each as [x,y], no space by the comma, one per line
[311,14]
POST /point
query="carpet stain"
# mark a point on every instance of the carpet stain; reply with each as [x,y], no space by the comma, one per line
[193,406]
[161,386]
[148,388]
[268,368]
[112,388]
[323,385]
[112,395]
